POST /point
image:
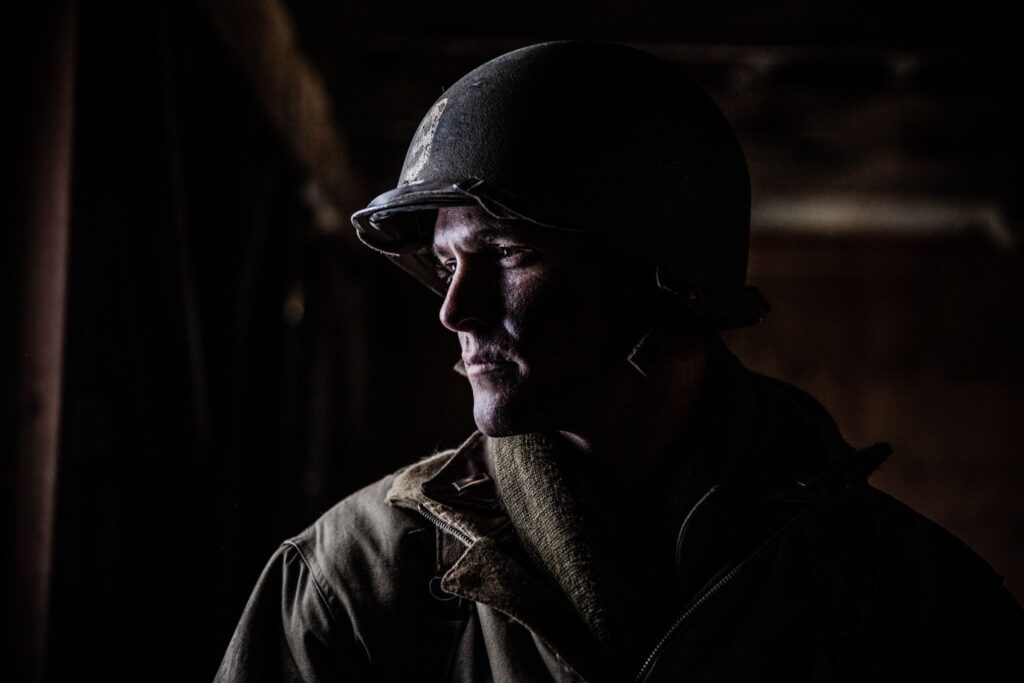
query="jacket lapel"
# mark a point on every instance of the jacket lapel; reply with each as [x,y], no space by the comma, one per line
[457,490]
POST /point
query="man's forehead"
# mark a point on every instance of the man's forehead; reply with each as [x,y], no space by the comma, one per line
[472,224]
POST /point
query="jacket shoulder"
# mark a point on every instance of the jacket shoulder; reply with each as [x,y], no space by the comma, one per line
[365,542]
[936,595]
[334,596]
[895,524]
[372,555]
[363,521]
[911,540]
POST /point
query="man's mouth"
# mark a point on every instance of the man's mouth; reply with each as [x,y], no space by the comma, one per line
[479,364]
[474,369]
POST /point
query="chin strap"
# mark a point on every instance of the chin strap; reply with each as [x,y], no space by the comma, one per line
[636,351]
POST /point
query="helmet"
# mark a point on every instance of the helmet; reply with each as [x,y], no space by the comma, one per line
[591,137]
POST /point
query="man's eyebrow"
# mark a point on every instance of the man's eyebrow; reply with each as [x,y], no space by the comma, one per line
[496,232]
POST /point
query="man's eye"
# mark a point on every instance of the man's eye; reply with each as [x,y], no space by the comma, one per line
[445,270]
[505,252]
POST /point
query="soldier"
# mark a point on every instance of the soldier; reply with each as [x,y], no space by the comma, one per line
[635,505]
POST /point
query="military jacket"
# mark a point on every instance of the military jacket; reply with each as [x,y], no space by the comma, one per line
[793,567]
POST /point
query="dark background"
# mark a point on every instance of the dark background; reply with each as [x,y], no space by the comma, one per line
[231,362]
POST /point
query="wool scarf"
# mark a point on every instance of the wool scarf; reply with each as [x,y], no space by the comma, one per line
[609,546]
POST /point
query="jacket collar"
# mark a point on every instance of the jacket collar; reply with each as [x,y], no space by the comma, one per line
[490,566]
[456,487]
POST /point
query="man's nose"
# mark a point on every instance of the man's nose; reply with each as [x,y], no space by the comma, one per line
[469,303]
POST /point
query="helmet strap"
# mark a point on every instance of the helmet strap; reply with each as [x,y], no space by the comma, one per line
[635,356]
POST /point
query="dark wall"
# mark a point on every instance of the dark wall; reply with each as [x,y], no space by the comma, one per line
[230,371]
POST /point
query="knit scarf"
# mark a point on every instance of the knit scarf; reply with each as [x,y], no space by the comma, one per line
[547,492]
[608,548]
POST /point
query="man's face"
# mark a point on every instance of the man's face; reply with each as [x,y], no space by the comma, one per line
[544,326]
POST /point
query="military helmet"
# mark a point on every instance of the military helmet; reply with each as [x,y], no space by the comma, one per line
[590,137]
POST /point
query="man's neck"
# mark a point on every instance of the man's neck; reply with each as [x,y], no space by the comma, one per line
[630,430]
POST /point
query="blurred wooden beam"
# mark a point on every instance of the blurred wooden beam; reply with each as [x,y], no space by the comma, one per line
[260,36]
[877,215]
[34,261]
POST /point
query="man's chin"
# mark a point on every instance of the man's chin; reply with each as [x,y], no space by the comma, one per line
[493,427]
[498,419]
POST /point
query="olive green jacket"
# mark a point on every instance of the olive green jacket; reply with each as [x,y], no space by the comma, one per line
[791,566]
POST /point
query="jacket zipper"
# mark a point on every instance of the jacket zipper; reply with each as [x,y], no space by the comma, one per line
[444,526]
[466,540]
[689,517]
[704,597]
